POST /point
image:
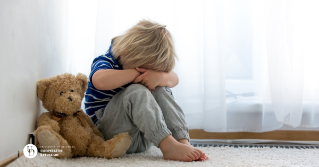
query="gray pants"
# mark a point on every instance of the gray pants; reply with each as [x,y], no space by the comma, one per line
[147,116]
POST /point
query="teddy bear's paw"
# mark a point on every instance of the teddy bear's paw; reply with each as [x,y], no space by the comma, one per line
[46,138]
[122,146]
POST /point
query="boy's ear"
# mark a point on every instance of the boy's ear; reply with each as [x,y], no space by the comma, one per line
[83,80]
[42,85]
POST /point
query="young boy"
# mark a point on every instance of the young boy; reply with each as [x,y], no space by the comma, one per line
[129,91]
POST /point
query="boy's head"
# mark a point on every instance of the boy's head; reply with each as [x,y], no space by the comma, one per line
[147,45]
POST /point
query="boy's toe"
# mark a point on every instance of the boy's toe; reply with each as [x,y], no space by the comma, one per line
[190,158]
[195,155]
[198,153]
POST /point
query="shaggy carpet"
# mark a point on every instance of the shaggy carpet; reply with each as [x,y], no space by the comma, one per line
[218,156]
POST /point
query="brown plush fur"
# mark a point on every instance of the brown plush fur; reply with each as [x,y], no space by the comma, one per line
[63,94]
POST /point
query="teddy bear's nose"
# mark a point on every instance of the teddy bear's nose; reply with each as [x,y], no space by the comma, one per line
[70,98]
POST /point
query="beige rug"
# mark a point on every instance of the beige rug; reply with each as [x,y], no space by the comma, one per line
[218,156]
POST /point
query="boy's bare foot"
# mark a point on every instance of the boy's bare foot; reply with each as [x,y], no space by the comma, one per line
[184,141]
[173,150]
[203,156]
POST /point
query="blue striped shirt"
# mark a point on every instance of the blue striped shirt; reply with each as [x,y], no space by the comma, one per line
[94,98]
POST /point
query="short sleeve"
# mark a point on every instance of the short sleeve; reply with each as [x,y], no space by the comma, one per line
[100,63]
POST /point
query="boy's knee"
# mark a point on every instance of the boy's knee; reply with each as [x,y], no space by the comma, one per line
[138,87]
[137,90]
[162,90]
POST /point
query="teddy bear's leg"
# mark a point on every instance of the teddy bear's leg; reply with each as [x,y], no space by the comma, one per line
[48,139]
[113,148]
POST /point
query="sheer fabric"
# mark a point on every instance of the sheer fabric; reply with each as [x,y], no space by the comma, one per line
[248,65]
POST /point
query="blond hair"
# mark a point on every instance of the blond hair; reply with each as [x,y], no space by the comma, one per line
[147,45]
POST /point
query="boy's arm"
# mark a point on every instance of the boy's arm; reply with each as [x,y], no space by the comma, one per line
[151,78]
[111,79]
[170,79]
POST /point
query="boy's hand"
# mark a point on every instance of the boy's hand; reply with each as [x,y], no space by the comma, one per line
[149,78]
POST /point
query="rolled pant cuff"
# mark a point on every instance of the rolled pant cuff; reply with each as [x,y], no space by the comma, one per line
[181,134]
[160,135]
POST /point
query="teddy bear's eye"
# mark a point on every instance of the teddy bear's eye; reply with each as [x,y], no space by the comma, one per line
[72,91]
[61,93]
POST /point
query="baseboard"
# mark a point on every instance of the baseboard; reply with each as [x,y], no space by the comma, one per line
[8,160]
[273,135]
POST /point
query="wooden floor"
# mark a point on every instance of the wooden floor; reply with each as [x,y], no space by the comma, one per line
[273,135]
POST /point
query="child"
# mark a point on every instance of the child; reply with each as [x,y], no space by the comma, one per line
[129,92]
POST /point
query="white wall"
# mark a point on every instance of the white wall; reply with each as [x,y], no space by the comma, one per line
[32,46]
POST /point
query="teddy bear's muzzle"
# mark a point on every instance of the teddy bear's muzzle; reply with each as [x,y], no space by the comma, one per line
[68,104]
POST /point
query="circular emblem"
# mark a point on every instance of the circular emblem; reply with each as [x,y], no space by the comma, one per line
[30,151]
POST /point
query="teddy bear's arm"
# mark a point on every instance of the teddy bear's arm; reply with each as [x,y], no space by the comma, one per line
[45,119]
[90,122]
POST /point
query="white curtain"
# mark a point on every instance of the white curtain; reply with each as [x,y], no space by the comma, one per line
[244,65]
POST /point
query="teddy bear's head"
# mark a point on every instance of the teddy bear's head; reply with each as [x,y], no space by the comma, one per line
[62,93]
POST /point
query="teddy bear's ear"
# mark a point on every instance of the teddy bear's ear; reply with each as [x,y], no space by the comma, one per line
[42,85]
[84,81]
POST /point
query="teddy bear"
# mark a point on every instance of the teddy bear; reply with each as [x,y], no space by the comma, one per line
[65,131]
